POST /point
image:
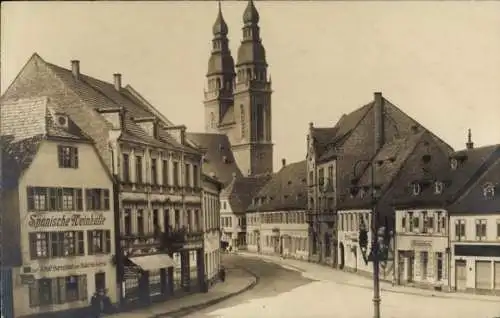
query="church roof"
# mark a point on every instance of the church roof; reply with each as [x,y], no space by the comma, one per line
[218,160]
[287,190]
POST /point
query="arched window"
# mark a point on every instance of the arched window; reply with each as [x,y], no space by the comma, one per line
[243,123]
[218,83]
[212,120]
[249,74]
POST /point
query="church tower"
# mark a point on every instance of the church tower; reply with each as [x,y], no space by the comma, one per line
[220,77]
[251,137]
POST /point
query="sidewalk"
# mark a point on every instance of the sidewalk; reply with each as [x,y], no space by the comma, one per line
[325,273]
[237,281]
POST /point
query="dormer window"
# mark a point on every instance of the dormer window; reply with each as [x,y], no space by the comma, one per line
[438,187]
[489,190]
[454,164]
[416,188]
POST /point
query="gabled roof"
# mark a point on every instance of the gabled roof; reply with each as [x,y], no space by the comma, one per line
[28,117]
[287,190]
[240,191]
[326,139]
[25,124]
[99,94]
[473,200]
[396,166]
[219,159]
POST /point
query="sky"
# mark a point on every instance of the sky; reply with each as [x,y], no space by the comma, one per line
[437,61]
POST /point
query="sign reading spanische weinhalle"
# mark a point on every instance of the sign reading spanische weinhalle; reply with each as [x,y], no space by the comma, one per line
[66,220]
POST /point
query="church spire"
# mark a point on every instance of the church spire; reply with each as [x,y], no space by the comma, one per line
[220,26]
[469,144]
[220,75]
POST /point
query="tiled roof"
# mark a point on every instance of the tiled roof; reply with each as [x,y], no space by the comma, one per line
[397,165]
[25,123]
[240,191]
[219,159]
[473,201]
[99,94]
[328,139]
[287,190]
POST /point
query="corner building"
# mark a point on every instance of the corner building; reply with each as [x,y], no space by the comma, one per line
[58,217]
[157,191]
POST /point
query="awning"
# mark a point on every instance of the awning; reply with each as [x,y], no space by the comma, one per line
[150,262]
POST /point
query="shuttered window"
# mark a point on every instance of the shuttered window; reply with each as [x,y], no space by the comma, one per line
[497,275]
[483,275]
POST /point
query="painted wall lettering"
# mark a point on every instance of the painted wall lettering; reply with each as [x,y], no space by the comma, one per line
[67,267]
[41,221]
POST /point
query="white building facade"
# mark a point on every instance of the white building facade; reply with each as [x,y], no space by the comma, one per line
[422,248]
[475,246]
[211,219]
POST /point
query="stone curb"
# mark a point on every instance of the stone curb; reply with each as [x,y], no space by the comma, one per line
[206,304]
[405,292]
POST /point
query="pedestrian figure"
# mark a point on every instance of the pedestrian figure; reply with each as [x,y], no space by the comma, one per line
[95,305]
[222,274]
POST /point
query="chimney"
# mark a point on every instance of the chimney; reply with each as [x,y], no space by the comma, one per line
[283,162]
[118,81]
[183,135]
[378,110]
[469,144]
[75,68]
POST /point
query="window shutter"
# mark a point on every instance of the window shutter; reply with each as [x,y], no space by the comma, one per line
[55,291]
[75,157]
[82,287]
[108,241]
[61,289]
[33,293]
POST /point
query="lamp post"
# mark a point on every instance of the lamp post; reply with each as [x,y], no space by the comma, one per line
[363,239]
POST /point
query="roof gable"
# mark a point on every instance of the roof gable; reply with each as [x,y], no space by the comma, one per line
[240,191]
[483,169]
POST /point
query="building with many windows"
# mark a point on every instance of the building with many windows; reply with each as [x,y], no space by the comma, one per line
[475,224]
[235,199]
[276,219]
[58,217]
[423,214]
[158,190]
[211,221]
[361,139]
[380,181]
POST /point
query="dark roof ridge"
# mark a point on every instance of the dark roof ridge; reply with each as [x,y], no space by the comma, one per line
[418,122]
[492,159]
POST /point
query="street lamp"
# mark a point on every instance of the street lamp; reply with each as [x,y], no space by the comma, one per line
[379,235]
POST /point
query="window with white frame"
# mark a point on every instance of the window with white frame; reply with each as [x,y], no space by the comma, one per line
[488,190]
[481,229]
[460,230]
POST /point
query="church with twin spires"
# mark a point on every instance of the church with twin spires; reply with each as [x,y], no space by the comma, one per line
[237,99]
